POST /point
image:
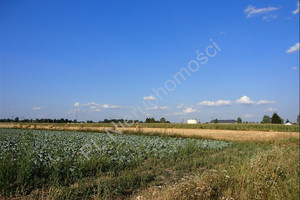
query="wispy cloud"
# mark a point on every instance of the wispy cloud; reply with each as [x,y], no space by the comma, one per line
[77,104]
[297,9]
[271,109]
[94,105]
[96,110]
[36,108]
[249,115]
[158,108]
[180,106]
[109,106]
[269,17]
[149,98]
[247,101]
[215,104]
[294,68]
[73,111]
[294,48]
[265,102]
[252,11]
[190,110]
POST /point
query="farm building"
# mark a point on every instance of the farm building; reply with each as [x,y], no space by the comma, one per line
[225,121]
[192,121]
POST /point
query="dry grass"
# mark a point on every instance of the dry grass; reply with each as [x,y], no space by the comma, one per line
[233,135]
[271,174]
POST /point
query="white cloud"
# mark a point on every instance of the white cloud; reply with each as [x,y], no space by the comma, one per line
[158,108]
[271,109]
[294,48]
[91,104]
[94,105]
[149,98]
[252,11]
[217,103]
[190,110]
[36,108]
[294,68]
[110,106]
[245,100]
[265,102]
[249,115]
[297,9]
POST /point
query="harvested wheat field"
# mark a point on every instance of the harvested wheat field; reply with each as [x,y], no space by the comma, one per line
[237,135]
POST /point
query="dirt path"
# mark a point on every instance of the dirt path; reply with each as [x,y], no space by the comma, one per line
[203,133]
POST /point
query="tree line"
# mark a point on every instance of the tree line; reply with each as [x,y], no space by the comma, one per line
[275,119]
[62,120]
[17,119]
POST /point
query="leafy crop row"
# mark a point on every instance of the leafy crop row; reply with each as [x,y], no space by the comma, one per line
[35,158]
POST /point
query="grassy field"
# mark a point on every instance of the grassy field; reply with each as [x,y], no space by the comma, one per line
[36,164]
[242,126]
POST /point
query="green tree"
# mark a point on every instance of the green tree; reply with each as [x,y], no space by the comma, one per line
[239,120]
[276,119]
[162,120]
[266,119]
[216,121]
[152,120]
[17,119]
[287,121]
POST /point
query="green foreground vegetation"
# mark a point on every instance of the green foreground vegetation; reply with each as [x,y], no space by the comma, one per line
[37,164]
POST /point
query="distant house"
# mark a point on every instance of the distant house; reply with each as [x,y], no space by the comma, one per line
[192,121]
[225,121]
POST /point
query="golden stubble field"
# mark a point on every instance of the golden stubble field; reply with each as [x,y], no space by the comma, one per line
[235,135]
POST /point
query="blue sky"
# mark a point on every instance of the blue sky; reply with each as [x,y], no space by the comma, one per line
[106,58]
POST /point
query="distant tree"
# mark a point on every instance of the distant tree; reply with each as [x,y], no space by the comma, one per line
[287,121]
[216,121]
[162,120]
[276,119]
[298,119]
[266,119]
[239,120]
[152,120]
[17,119]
